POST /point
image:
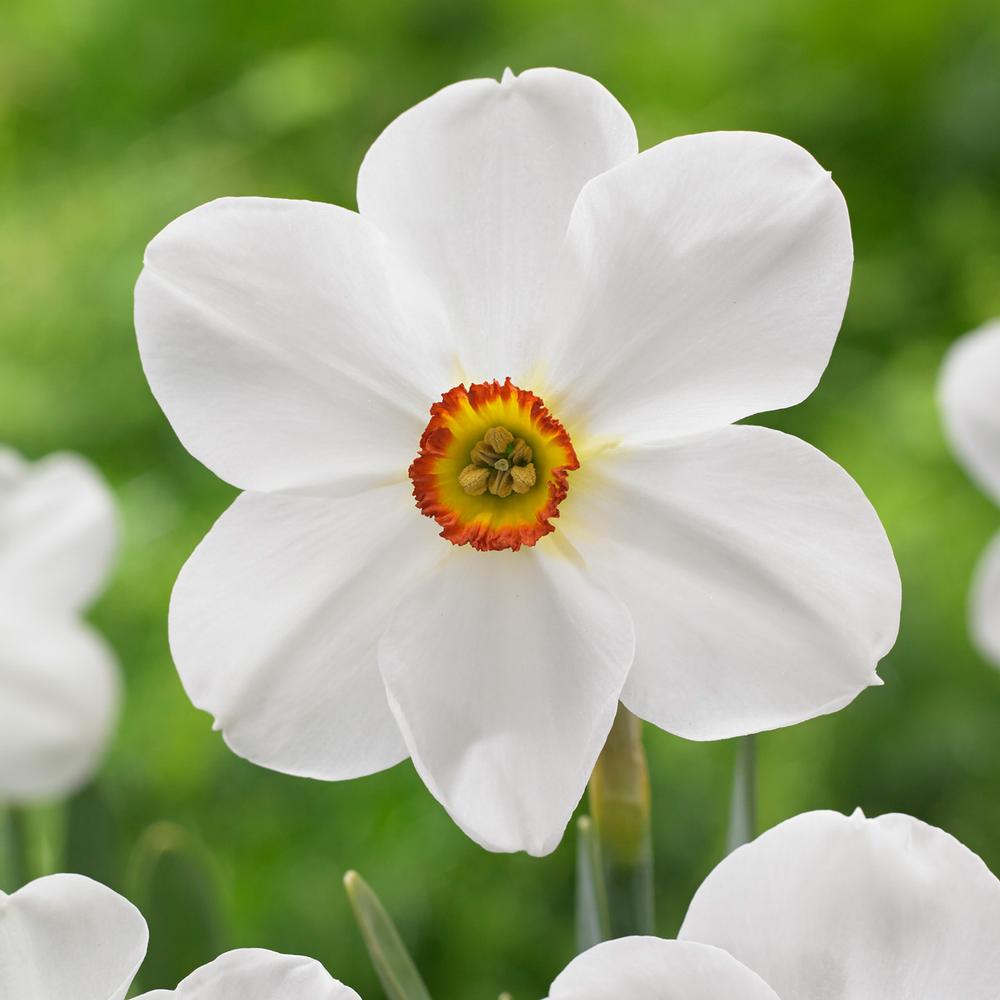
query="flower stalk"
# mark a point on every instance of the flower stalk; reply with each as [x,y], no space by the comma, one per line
[16,867]
[743,802]
[620,810]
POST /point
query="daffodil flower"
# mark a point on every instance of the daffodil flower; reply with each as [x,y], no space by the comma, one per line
[66,937]
[484,430]
[648,968]
[822,907]
[59,683]
[969,393]
[833,907]
[256,974]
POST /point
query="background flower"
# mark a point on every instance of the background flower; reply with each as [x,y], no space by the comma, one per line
[255,974]
[826,906]
[969,392]
[59,686]
[67,936]
[646,968]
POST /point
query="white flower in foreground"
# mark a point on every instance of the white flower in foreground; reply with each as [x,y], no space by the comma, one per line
[254,974]
[648,968]
[969,394]
[65,937]
[513,247]
[831,907]
[59,684]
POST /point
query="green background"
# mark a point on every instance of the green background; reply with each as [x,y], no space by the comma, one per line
[117,115]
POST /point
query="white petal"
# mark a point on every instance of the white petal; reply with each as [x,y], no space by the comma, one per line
[648,968]
[503,670]
[969,391]
[762,585]
[65,937]
[59,696]
[58,532]
[275,619]
[255,974]
[703,281]
[477,183]
[287,345]
[830,907]
[985,609]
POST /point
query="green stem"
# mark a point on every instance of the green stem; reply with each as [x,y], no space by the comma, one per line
[620,808]
[16,844]
[743,803]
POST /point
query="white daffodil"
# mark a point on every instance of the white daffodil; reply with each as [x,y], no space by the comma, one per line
[59,684]
[647,968]
[65,937]
[526,318]
[969,394]
[831,907]
[255,974]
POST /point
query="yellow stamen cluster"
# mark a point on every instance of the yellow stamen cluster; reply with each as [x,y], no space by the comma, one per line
[500,463]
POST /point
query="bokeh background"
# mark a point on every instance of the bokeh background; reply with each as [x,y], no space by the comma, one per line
[116,116]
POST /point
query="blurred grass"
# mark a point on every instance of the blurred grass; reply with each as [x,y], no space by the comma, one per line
[115,117]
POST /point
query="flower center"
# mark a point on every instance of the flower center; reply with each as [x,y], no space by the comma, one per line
[493,466]
[499,463]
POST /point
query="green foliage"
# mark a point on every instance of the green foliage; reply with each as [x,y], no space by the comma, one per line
[115,117]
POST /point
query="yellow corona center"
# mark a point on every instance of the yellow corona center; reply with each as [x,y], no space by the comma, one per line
[493,466]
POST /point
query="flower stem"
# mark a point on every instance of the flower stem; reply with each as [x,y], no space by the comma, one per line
[743,803]
[14,850]
[620,809]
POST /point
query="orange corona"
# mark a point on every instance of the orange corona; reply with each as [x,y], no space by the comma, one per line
[493,466]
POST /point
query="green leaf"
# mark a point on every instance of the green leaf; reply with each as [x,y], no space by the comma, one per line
[396,971]
[591,895]
[743,803]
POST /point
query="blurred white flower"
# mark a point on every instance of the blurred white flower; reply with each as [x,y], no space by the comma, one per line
[831,907]
[65,937]
[648,968]
[255,974]
[59,682]
[512,246]
[969,394]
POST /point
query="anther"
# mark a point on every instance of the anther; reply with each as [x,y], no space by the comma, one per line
[522,477]
[498,438]
[473,480]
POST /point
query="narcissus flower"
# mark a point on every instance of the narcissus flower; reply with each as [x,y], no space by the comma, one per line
[969,394]
[256,974]
[831,907]
[484,430]
[59,684]
[648,968]
[822,907]
[66,937]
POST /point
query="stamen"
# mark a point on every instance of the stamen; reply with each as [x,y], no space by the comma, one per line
[498,438]
[507,457]
[522,477]
[473,480]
